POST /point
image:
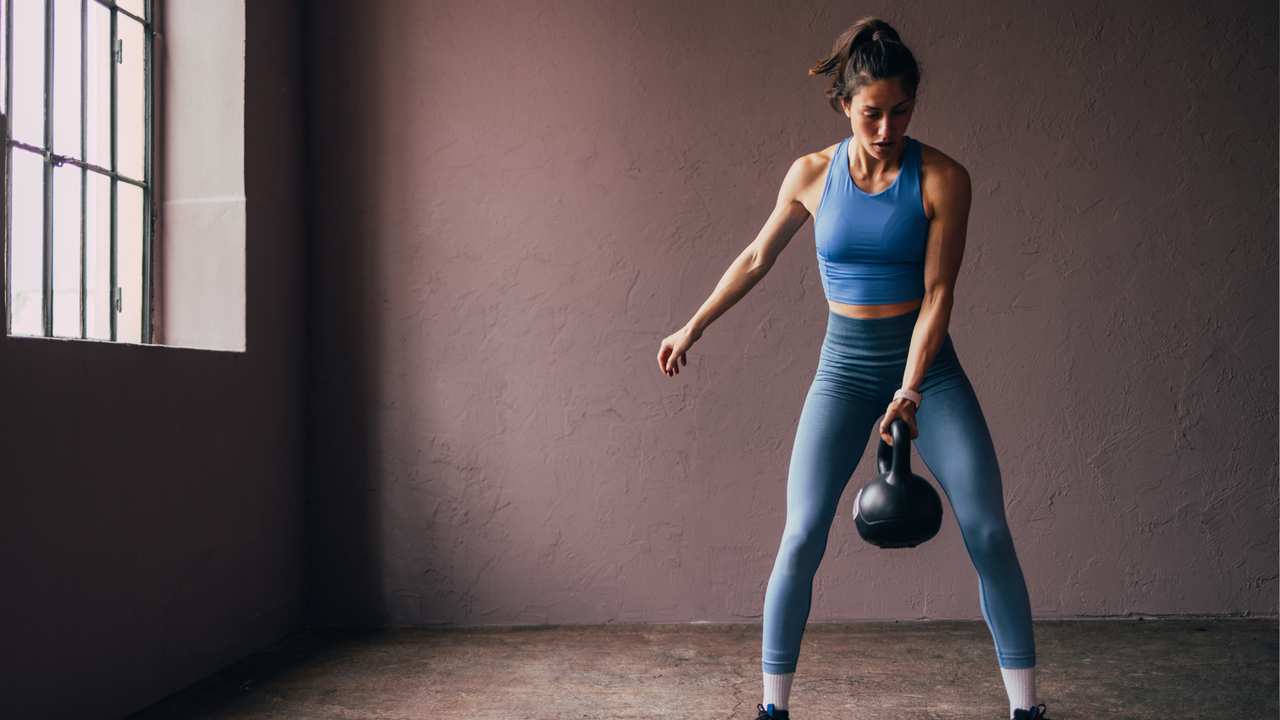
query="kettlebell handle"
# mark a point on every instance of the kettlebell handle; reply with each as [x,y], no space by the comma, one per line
[895,460]
[901,433]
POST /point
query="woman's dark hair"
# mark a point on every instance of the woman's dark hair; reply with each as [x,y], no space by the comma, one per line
[869,51]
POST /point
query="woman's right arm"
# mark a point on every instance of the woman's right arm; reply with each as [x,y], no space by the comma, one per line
[788,216]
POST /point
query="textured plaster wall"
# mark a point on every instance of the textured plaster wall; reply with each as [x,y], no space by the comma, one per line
[512,203]
[151,498]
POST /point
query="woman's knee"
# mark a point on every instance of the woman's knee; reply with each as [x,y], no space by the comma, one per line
[802,549]
[989,543]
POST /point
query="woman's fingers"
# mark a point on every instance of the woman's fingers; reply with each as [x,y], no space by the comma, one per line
[672,353]
[905,412]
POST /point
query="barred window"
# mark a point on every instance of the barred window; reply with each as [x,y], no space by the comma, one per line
[78,99]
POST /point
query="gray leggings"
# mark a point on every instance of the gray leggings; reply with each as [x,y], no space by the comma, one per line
[861,365]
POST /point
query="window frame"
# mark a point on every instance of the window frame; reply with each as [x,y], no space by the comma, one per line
[50,160]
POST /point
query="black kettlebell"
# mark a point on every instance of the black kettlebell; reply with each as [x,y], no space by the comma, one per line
[897,509]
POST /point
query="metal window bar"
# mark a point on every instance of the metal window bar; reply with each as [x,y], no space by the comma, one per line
[148,133]
[57,159]
[46,291]
[111,4]
[8,162]
[52,160]
[114,298]
[84,172]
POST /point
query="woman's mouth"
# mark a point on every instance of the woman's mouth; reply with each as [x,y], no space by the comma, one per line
[883,146]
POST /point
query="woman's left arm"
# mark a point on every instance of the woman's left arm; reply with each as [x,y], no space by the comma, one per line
[948,187]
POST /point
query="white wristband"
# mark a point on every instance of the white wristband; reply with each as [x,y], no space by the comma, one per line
[911,395]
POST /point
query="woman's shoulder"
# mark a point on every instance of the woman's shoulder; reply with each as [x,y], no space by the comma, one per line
[934,162]
[815,164]
[942,180]
[807,178]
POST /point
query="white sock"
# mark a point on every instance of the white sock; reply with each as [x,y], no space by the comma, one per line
[1021,686]
[777,690]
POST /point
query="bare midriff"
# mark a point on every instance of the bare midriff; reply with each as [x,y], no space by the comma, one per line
[871,312]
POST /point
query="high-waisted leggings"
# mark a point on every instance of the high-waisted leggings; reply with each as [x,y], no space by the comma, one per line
[861,365]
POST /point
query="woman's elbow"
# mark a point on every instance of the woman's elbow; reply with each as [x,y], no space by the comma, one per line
[759,264]
[938,296]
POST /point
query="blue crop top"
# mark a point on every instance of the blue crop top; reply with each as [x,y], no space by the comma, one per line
[871,247]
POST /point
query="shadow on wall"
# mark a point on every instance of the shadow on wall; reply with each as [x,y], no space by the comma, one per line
[344,562]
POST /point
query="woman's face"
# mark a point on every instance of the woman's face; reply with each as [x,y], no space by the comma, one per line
[879,114]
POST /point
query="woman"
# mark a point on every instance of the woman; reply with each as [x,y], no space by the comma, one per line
[890,216]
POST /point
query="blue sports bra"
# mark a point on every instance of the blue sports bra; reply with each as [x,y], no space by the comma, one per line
[871,247]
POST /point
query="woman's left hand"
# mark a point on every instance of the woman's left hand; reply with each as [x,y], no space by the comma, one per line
[900,408]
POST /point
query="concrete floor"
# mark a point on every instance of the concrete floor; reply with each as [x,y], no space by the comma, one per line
[889,671]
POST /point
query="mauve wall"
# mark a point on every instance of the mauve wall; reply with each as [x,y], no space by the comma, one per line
[512,203]
[151,498]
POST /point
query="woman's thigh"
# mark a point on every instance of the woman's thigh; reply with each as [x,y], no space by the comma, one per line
[956,445]
[830,439]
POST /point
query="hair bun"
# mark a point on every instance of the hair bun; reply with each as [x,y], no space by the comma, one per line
[866,51]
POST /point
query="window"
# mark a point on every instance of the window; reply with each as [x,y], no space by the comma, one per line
[78,98]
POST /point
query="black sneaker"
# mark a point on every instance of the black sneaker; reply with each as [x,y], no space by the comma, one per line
[1035,713]
[771,713]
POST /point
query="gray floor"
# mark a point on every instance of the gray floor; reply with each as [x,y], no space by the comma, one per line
[1095,669]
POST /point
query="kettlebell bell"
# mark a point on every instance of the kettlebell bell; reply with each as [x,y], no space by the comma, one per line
[897,509]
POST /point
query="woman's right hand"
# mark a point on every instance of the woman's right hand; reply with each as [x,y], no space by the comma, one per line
[671,354]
